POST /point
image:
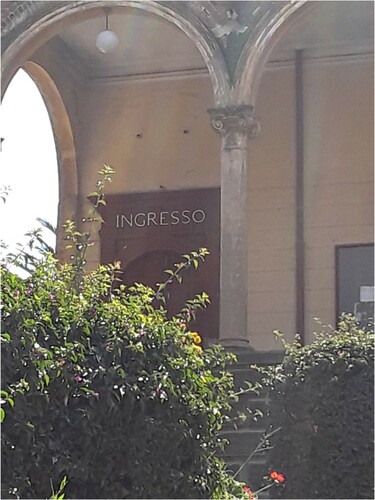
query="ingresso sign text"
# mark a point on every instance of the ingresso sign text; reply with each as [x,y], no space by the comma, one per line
[147,219]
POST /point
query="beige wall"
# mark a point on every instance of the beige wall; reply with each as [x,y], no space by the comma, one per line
[271,242]
[339,174]
[338,107]
[177,148]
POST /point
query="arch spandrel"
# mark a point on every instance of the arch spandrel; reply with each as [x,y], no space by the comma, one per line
[278,18]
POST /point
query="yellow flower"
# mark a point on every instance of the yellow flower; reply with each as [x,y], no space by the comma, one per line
[198,349]
[196,338]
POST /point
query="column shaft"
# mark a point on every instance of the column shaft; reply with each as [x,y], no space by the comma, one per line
[235,124]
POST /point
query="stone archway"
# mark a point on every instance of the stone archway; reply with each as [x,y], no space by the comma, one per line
[27,25]
[234,93]
[66,155]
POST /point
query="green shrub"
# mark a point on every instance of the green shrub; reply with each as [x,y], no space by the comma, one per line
[104,395]
[322,397]
[101,387]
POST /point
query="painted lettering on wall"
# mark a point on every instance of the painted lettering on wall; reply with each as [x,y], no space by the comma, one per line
[147,219]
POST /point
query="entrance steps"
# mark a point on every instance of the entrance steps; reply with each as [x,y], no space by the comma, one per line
[244,439]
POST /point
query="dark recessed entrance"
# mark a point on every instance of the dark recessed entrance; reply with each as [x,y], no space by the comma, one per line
[149,232]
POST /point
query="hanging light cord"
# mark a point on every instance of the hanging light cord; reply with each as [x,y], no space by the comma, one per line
[106,21]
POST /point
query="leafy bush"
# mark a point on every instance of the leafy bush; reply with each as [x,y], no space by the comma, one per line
[100,386]
[102,389]
[322,397]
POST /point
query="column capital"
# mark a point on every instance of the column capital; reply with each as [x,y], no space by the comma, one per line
[235,123]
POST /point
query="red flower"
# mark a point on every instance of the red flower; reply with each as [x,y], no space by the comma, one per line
[277,476]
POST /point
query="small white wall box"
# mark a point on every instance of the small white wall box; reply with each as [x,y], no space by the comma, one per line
[366,294]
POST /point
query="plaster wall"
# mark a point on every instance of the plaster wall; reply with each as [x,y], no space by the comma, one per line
[338,109]
[339,175]
[156,134]
[271,215]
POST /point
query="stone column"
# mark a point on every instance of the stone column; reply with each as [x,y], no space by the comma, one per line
[236,125]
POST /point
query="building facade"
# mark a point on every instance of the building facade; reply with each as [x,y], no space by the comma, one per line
[246,127]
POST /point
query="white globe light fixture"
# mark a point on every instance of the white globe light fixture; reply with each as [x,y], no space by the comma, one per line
[107,40]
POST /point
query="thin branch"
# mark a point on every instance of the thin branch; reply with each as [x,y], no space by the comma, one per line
[258,447]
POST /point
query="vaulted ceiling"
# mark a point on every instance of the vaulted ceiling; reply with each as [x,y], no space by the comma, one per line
[150,44]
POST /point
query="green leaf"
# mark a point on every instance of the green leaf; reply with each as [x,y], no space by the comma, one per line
[2,415]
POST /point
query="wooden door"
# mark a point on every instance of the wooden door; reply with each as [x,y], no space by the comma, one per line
[149,233]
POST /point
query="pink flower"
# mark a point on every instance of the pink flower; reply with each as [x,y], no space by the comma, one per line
[52,297]
[78,378]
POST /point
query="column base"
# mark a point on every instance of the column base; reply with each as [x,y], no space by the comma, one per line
[238,346]
[234,342]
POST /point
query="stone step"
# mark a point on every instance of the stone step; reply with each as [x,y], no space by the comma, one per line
[249,433]
[255,411]
[247,357]
[242,441]
[245,374]
[252,402]
[252,473]
[249,424]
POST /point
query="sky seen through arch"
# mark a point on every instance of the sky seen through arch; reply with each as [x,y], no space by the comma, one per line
[28,163]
